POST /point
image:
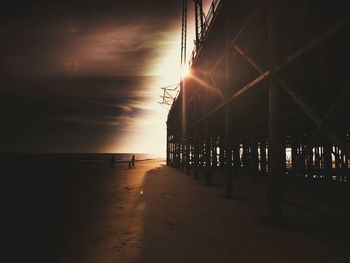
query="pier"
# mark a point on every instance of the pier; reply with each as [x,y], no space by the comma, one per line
[268,92]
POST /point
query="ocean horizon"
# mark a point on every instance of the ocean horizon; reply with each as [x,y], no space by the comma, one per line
[81,157]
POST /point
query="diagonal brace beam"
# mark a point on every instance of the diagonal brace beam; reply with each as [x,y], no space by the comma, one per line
[313,115]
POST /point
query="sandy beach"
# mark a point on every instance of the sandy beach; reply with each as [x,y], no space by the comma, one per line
[154,213]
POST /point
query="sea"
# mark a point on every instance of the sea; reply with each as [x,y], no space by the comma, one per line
[67,158]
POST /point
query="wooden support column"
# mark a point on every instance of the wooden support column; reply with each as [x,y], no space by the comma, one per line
[294,151]
[214,152]
[236,165]
[341,159]
[304,165]
[228,157]
[317,161]
[297,146]
[263,161]
[208,168]
[310,164]
[178,155]
[184,132]
[227,114]
[195,155]
[336,157]
[175,155]
[188,155]
[221,154]
[276,145]
[254,156]
[207,140]
[284,157]
[178,158]
[182,161]
[167,146]
[170,153]
[201,153]
[245,153]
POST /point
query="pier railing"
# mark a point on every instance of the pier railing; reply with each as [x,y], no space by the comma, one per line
[208,19]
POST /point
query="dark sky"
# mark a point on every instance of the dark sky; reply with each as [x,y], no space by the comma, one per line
[76,75]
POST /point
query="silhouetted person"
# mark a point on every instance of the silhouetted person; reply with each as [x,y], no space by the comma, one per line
[133,161]
[112,161]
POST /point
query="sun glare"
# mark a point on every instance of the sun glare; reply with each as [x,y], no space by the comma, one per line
[168,69]
[185,71]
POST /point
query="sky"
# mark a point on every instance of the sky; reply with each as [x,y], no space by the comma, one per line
[85,76]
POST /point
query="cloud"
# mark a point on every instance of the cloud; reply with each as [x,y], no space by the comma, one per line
[84,37]
[76,74]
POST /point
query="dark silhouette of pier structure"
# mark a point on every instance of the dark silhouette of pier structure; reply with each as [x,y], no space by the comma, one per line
[269,91]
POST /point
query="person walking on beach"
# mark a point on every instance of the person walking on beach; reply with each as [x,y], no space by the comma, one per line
[112,161]
[133,162]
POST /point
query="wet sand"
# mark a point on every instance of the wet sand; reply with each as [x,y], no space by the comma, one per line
[104,218]
[154,213]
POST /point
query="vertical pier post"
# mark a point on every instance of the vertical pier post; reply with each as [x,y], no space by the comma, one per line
[263,161]
[183,154]
[188,154]
[221,154]
[317,160]
[254,155]
[208,169]
[195,155]
[245,153]
[276,150]
[310,164]
[228,126]
[336,158]
[214,152]
[294,151]
[178,154]
[172,153]
[167,146]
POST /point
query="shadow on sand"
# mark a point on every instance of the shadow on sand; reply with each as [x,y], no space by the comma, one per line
[185,221]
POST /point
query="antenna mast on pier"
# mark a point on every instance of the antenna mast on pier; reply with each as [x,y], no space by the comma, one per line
[170,92]
[198,9]
[184,33]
